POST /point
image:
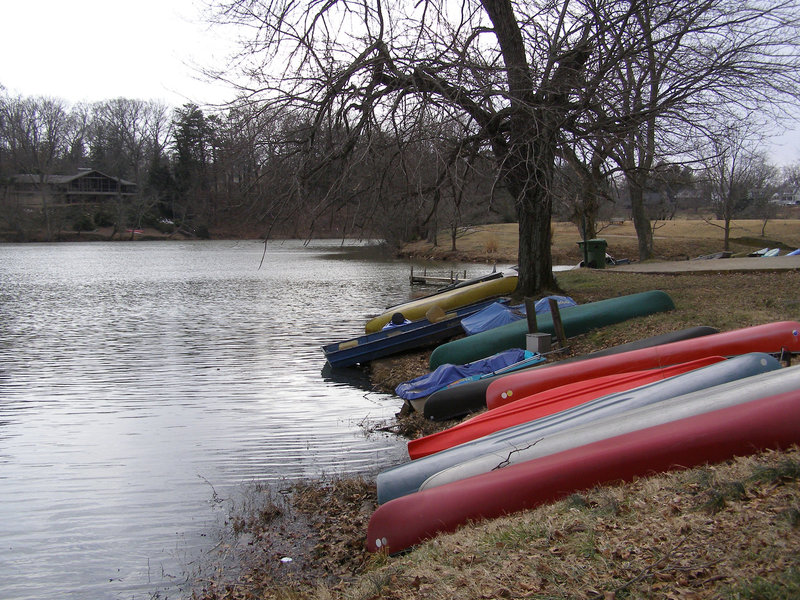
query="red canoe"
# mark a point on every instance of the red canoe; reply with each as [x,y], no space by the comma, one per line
[770,338]
[546,403]
[772,422]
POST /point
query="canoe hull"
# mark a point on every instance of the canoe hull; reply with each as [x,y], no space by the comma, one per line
[575,319]
[399,339]
[772,337]
[447,301]
[544,403]
[772,422]
[673,409]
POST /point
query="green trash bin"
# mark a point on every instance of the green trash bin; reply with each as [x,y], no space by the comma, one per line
[595,253]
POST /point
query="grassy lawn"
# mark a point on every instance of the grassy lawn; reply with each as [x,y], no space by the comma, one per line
[679,239]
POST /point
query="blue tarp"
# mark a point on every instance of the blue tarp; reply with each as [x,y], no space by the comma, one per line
[447,374]
[499,314]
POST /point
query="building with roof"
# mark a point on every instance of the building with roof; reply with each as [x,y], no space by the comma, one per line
[87,186]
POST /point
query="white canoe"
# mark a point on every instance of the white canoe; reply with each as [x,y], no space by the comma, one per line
[666,411]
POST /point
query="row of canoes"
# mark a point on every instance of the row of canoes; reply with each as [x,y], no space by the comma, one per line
[438,317]
[671,401]
[569,427]
[765,422]
[428,320]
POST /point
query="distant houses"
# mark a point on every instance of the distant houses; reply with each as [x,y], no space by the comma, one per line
[87,186]
[788,197]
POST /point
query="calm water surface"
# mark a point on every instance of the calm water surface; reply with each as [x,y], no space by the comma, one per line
[139,382]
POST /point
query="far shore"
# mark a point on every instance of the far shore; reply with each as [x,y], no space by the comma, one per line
[676,239]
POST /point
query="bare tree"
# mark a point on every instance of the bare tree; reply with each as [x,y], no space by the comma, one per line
[694,62]
[736,173]
[520,80]
[36,133]
[126,138]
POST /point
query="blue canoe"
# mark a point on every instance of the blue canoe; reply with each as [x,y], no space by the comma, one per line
[386,342]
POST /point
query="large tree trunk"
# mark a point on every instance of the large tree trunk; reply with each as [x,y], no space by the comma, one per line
[727,241]
[529,178]
[527,160]
[640,221]
[535,239]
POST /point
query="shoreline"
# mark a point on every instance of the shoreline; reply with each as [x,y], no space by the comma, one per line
[610,516]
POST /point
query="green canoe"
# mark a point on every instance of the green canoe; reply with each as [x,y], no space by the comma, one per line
[576,320]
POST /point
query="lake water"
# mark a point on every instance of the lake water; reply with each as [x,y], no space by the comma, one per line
[140,382]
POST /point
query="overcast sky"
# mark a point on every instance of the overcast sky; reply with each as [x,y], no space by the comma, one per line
[92,50]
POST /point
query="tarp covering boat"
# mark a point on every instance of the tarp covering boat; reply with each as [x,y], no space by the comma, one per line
[445,375]
[498,314]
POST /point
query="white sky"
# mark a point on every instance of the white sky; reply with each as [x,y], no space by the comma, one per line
[91,50]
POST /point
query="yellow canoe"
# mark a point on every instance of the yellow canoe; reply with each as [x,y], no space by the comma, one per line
[449,300]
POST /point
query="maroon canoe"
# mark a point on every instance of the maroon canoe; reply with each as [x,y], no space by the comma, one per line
[771,422]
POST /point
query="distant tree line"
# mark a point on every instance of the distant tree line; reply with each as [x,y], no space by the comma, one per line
[248,171]
[243,171]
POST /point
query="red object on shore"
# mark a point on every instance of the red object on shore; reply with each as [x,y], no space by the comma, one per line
[546,403]
[767,423]
[770,338]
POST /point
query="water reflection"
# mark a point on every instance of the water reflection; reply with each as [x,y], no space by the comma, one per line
[356,377]
[136,379]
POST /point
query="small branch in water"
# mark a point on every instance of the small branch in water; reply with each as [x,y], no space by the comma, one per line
[215,497]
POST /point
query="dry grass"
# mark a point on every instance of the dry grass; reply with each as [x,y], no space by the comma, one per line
[730,530]
[723,531]
[679,239]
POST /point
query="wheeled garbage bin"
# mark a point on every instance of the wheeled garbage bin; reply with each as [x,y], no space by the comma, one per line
[595,253]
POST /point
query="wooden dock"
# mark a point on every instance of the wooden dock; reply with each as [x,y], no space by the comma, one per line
[425,279]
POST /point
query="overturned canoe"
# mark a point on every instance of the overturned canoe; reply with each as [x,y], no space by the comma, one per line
[771,422]
[771,338]
[543,404]
[576,320]
[449,300]
[451,403]
[406,478]
[722,396]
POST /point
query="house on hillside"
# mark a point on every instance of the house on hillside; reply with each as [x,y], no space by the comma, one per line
[87,186]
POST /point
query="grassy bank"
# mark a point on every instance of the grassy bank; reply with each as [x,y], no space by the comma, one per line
[729,530]
[679,239]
